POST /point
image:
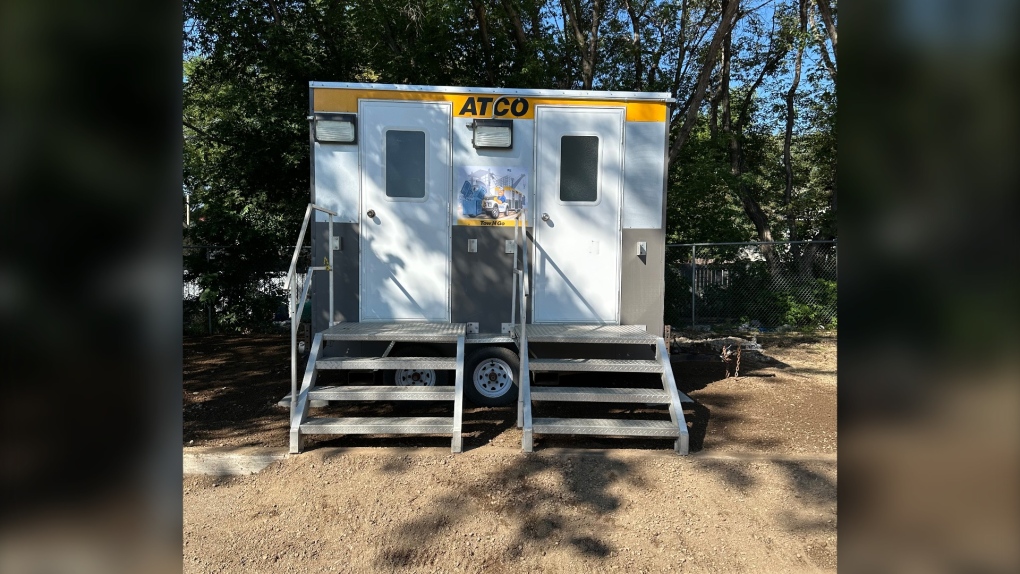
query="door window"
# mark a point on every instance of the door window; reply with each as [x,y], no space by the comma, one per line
[579,168]
[405,164]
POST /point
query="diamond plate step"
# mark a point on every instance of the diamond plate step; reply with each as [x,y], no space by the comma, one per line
[376,363]
[387,393]
[600,395]
[408,332]
[605,334]
[599,365]
[606,427]
[378,425]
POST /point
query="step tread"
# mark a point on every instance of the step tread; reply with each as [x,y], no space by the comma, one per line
[603,365]
[378,425]
[600,395]
[608,427]
[373,363]
[382,393]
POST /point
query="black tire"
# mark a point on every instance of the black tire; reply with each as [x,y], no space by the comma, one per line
[487,382]
[441,377]
[494,213]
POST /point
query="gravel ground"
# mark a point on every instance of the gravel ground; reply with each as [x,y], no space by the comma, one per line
[757,494]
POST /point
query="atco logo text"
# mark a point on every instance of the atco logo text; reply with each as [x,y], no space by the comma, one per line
[502,106]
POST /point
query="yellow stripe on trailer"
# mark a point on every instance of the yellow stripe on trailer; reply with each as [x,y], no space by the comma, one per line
[481,105]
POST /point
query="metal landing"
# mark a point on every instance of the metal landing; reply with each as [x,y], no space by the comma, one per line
[410,332]
[599,334]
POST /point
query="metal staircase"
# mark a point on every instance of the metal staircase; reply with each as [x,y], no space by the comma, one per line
[302,425]
[592,336]
[596,335]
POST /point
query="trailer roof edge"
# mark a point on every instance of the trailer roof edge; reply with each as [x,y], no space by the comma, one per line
[580,94]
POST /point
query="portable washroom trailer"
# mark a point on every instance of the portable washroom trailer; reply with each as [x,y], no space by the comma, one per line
[428,271]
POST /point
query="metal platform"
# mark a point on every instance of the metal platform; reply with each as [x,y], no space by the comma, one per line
[606,427]
[410,332]
[599,334]
[595,365]
[487,339]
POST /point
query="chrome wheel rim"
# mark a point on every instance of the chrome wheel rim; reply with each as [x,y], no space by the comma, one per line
[415,378]
[492,378]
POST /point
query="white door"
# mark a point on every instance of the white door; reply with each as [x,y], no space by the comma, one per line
[579,179]
[405,228]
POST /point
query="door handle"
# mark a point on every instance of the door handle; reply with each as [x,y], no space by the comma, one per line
[545,217]
[371,214]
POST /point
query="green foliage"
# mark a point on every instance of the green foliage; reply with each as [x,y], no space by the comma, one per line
[818,309]
[247,65]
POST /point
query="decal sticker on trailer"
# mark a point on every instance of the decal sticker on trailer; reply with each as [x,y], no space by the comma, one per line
[491,195]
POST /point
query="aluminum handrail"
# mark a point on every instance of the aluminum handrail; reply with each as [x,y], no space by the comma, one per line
[292,270]
[516,272]
[524,274]
[296,305]
[524,397]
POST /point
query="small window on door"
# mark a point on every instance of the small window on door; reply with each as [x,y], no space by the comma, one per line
[405,164]
[579,168]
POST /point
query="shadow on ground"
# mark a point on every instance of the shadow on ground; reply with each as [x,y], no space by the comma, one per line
[518,494]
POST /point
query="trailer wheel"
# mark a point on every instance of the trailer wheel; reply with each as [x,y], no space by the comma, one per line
[415,377]
[492,374]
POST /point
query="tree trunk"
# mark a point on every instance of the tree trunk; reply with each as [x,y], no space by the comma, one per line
[389,36]
[823,50]
[520,38]
[483,32]
[830,25]
[791,117]
[727,19]
[635,44]
[587,46]
[751,207]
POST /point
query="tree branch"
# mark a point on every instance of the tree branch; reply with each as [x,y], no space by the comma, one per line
[830,25]
[483,30]
[635,42]
[276,13]
[726,22]
[593,45]
[201,132]
[390,41]
[770,66]
[823,50]
[520,38]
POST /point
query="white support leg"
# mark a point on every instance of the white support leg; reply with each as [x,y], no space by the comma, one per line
[527,442]
[457,444]
[520,405]
[299,404]
[676,411]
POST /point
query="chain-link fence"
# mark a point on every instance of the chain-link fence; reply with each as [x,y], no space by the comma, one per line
[737,286]
[744,286]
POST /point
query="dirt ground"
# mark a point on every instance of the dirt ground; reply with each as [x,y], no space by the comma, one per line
[758,492]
